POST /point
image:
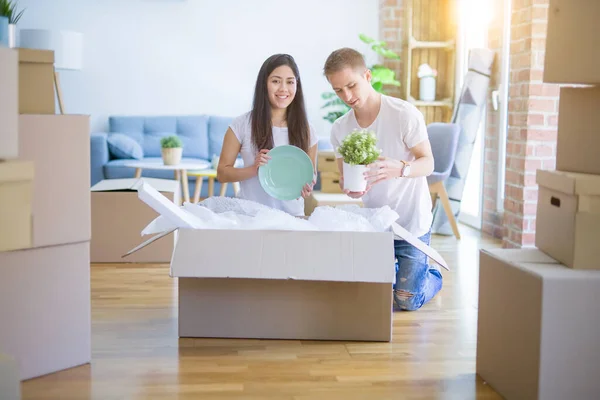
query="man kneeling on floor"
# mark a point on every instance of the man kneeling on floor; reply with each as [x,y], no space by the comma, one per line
[398,178]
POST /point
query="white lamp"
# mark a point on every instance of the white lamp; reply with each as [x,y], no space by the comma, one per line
[67,47]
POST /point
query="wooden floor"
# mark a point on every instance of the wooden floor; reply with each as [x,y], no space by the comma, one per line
[136,353]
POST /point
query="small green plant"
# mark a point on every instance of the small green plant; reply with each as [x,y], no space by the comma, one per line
[8,8]
[380,76]
[359,147]
[171,142]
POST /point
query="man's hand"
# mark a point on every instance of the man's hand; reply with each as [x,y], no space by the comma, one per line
[383,169]
[353,195]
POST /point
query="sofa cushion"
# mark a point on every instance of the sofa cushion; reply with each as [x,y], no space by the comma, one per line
[147,131]
[217,127]
[122,146]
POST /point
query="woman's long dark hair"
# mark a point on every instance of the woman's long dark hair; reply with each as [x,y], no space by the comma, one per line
[262,129]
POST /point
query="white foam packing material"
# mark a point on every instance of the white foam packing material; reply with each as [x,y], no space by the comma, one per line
[234,213]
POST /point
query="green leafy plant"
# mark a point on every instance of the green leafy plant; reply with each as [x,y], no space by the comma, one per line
[381,76]
[171,142]
[8,8]
[359,147]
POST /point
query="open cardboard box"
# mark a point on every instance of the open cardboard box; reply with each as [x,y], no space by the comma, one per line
[281,284]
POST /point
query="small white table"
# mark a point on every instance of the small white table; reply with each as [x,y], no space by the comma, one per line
[180,171]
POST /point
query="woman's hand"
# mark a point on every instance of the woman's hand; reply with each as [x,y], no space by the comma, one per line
[262,158]
[308,188]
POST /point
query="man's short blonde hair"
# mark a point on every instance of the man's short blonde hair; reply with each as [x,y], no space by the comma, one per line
[344,58]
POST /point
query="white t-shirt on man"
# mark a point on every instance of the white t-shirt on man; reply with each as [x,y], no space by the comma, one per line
[399,126]
[250,189]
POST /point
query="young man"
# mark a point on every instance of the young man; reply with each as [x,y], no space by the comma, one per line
[398,178]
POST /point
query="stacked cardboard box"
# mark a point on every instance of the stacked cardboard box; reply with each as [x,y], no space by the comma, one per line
[538,323]
[328,171]
[44,221]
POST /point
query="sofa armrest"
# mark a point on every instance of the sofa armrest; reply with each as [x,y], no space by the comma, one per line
[99,156]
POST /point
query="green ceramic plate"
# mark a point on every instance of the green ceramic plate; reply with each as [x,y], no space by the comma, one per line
[286,173]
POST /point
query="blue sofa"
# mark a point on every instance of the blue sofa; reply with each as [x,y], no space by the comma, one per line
[138,137]
[202,137]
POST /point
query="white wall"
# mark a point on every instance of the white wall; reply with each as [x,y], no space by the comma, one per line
[196,56]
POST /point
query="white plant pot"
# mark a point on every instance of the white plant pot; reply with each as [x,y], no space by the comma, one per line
[354,178]
[427,88]
[172,156]
[12,35]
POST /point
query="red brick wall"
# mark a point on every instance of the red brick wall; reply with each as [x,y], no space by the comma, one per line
[532,119]
[391,22]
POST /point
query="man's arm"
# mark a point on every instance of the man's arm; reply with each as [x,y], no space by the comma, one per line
[388,168]
[423,163]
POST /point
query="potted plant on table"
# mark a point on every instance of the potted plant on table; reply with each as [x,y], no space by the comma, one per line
[171,150]
[358,150]
[8,9]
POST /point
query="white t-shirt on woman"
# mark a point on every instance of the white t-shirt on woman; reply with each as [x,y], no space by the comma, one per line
[399,126]
[250,189]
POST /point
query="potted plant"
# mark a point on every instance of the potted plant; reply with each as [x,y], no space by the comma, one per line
[8,9]
[358,149]
[171,149]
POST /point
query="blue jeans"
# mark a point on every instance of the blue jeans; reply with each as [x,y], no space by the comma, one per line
[414,276]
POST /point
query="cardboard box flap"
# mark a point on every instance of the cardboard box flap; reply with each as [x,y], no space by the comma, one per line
[36,56]
[165,207]
[16,171]
[132,184]
[429,251]
[296,255]
[571,183]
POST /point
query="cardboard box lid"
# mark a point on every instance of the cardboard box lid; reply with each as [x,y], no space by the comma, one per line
[571,183]
[16,171]
[131,184]
[36,56]
[535,262]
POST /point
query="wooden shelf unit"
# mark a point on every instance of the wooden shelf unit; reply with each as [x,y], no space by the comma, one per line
[431,38]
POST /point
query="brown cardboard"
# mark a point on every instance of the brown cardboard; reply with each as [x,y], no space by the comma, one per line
[578,130]
[10,386]
[572,54]
[118,217]
[568,218]
[285,309]
[45,308]
[59,145]
[538,327]
[330,182]
[318,199]
[16,198]
[9,104]
[36,82]
[326,162]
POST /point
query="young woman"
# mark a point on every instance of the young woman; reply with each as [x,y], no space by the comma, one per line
[278,117]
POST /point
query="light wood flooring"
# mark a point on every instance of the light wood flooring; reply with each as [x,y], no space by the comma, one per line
[136,353]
